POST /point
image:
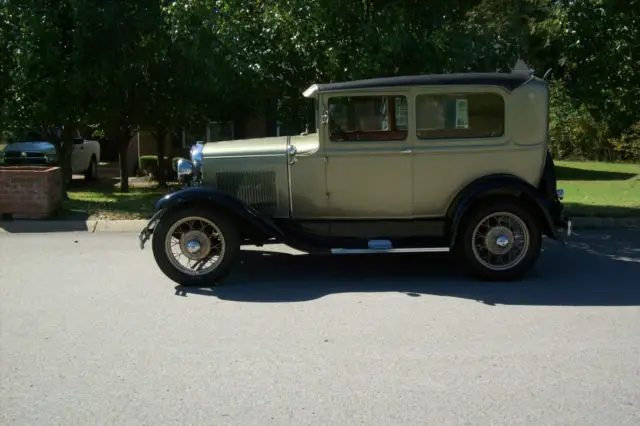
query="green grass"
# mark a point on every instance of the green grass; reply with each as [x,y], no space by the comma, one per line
[591,190]
[103,200]
[600,189]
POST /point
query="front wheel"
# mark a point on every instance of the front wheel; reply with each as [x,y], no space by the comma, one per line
[499,241]
[195,247]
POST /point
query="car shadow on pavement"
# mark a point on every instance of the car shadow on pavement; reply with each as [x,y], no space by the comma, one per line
[595,270]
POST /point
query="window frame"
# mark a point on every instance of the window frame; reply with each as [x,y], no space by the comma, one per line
[328,97]
[460,91]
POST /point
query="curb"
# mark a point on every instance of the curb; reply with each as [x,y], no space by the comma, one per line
[93,226]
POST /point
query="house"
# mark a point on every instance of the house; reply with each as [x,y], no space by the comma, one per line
[256,125]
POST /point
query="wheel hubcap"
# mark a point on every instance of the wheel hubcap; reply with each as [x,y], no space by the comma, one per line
[500,241]
[195,245]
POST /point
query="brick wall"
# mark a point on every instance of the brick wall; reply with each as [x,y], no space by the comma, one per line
[29,192]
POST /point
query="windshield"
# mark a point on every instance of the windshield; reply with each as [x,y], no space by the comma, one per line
[311,112]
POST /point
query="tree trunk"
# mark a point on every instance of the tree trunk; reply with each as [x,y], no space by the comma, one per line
[123,156]
[64,146]
[159,136]
[121,136]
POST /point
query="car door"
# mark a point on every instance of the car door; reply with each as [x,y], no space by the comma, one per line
[368,156]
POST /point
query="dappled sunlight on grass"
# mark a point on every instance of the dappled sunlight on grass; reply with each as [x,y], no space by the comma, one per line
[600,189]
[103,200]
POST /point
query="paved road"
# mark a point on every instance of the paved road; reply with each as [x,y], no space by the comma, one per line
[92,333]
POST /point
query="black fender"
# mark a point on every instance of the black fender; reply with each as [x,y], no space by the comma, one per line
[500,185]
[215,199]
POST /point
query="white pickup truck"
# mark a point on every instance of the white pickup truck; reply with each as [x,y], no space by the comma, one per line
[85,156]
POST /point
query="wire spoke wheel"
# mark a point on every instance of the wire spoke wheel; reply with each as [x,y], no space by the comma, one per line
[195,245]
[500,241]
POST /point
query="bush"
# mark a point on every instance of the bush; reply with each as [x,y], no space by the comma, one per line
[149,167]
[627,146]
[575,133]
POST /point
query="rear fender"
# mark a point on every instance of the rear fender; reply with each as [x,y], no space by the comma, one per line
[498,186]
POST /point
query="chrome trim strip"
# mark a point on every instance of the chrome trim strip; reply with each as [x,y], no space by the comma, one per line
[289,176]
[396,250]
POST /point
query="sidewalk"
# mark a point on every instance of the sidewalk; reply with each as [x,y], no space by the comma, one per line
[41,226]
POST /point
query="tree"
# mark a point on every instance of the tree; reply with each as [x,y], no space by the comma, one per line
[601,56]
[40,72]
[115,45]
[186,75]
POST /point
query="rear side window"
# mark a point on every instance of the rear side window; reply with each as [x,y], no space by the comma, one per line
[367,118]
[455,116]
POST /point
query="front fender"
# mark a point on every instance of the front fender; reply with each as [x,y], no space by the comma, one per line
[500,185]
[214,199]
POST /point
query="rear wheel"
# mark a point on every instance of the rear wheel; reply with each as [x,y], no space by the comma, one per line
[499,241]
[195,247]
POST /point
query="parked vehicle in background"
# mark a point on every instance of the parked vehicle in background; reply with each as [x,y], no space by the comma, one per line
[434,163]
[85,156]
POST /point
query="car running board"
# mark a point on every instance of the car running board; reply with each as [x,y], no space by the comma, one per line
[385,246]
[391,250]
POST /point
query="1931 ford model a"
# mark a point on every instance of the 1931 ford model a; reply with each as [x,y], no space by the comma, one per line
[433,163]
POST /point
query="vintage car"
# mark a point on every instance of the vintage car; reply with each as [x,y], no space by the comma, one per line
[433,163]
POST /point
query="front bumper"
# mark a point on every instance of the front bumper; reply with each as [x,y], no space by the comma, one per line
[147,231]
[560,220]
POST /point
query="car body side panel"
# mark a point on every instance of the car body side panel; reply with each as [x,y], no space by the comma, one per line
[443,167]
[441,173]
[254,171]
[308,187]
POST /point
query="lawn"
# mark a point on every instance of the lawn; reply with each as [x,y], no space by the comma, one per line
[103,200]
[591,190]
[600,189]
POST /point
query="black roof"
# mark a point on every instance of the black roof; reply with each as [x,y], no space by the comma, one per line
[509,81]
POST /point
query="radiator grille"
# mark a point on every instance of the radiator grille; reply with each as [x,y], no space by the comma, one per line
[13,158]
[256,188]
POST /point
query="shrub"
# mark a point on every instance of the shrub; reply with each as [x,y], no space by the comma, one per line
[575,133]
[149,167]
[627,146]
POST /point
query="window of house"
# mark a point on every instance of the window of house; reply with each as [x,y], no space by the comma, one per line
[368,118]
[192,135]
[220,131]
[471,115]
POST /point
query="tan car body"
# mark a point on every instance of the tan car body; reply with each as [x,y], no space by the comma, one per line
[357,180]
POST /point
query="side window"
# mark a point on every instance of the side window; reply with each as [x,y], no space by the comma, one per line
[368,118]
[473,115]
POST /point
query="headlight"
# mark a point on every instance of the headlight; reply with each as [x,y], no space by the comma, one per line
[184,167]
[196,155]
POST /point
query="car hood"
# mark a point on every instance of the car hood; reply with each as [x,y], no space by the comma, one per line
[260,147]
[46,147]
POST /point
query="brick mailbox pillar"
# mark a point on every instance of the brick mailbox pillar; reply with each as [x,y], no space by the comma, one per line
[30,192]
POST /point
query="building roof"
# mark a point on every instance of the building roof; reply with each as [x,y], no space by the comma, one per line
[509,81]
